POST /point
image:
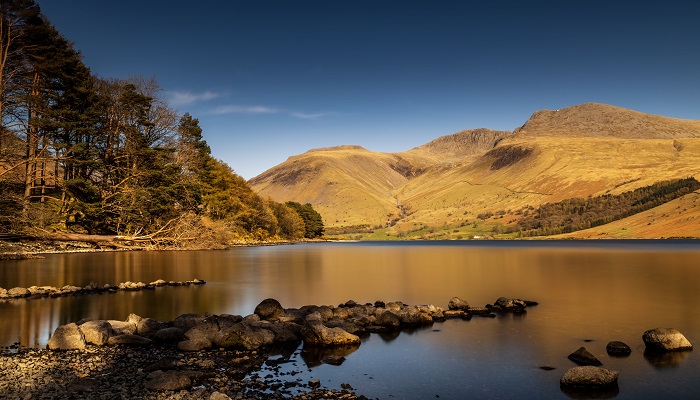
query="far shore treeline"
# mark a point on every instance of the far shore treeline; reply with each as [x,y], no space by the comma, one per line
[81,154]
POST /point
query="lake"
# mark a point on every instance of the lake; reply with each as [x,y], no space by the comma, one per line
[590,293]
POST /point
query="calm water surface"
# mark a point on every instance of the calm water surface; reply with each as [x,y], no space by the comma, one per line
[589,293]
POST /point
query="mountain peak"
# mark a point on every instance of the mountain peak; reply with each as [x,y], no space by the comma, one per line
[465,142]
[596,119]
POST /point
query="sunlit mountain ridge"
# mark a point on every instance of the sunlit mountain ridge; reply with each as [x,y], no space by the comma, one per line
[477,182]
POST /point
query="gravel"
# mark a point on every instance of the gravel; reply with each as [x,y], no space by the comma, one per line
[123,372]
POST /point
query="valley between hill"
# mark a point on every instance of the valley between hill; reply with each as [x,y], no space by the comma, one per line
[476,183]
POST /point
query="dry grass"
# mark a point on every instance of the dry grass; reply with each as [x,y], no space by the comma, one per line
[556,160]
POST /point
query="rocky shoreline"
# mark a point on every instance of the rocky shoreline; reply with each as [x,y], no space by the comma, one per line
[214,356]
[225,356]
[36,292]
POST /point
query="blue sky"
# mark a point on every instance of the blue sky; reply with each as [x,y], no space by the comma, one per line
[270,79]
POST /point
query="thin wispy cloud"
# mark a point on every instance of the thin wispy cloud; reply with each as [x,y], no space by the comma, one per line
[304,115]
[184,98]
[236,109]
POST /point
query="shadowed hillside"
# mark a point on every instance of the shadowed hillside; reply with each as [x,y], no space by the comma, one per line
[585,150]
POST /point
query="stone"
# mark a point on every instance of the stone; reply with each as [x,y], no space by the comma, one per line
[83,385]
[148,326]
[666,339]
[511,305]
[218,396]
[315,333]
[245,336]
[132,286]
[618,349]
[97,332]
[171,334]
[589,377]
[389,320]
[314,316]
[456,303]
[284,332]
[164,364]
[349,304]
[207,329]
[129,339]
[411,316]
[584,357]
[456,314]
[269,310]
[18,292]
[194,345]
[187,321]
[122,327]
[168,380]
[346,326]
[481,311]
[67,337]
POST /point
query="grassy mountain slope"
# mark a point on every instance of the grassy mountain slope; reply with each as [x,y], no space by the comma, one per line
[677,218]
[347,185]
[591,149]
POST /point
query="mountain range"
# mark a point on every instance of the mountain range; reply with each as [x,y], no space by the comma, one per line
[476,182]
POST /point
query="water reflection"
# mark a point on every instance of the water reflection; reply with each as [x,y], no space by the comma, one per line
[665,359]
[583,394]
[313,356]
[598,291]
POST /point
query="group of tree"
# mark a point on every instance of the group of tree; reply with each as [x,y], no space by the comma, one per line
[578,213]
[85,154]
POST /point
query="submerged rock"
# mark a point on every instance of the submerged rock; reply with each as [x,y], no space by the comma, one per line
[515,306]
[666,339]
[618,349]
[584,357]
[589,377]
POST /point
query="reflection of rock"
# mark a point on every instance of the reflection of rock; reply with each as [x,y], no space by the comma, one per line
[618,349]
[333,360]
[313,355]
[584,357]
[586,394]
[665,359]
[589,382]
[666,339]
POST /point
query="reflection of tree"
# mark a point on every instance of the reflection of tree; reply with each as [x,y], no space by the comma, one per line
[665,359]
[312,355]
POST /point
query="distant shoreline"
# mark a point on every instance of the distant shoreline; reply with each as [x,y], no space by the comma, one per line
[33,250]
